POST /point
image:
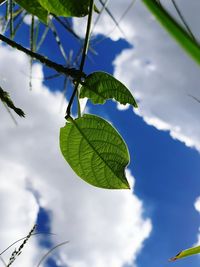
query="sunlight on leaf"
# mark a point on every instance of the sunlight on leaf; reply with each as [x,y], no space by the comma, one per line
[95,151]
[100,86]
[34,8]
[66,8]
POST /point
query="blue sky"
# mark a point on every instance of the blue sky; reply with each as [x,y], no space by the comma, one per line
[165,170]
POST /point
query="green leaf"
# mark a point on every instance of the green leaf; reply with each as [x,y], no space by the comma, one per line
[186,253]
[175,29]
[66,8]
[34,8]
[5,98]
[95,151]
[100,86]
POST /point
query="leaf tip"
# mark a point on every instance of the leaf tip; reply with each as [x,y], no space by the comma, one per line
[126,185]
[174,258]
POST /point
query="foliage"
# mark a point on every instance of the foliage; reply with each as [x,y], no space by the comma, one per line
[100,86]
[92,147]
[186,253]
[95,151]
[34,8]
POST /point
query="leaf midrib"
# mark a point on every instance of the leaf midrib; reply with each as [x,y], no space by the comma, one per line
[84,136]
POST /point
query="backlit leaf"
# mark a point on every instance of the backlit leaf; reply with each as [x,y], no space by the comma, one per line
[66,8]
[100,86]
[95,151]
[34,8]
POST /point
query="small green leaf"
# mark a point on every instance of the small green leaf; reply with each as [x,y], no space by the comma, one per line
[34,8]
[95,151]
[66,8]
[100,86]
[186,253]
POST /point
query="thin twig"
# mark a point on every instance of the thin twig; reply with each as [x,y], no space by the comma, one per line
[44,257]
[18,251]
[113,18]
[2,260]
[195,98]
[58,41]
[32,28]
[68,28]
[33,234]
[10,113]
[11,19]
[74,73]
[184,21]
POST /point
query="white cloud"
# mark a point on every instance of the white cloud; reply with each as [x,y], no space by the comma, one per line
[197,207]
[197,204]
[157,70]
[103,227]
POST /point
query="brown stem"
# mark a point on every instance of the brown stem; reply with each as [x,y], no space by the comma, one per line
[74,73]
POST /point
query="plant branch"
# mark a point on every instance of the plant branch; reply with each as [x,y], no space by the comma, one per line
[74,73]
[5,98]
[84,54]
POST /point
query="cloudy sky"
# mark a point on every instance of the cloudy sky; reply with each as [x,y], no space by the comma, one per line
[160,215]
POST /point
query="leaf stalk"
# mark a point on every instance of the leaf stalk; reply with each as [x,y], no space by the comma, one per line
[84,54]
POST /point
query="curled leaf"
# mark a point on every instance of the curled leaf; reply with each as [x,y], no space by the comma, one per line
[100,86]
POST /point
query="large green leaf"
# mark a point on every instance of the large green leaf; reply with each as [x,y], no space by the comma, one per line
[100,86]
[95,151]
[66,8]
[186,253]
[175,29]
[34,7]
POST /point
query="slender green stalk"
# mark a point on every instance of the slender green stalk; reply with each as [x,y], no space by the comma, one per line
[11,19]
[45,256]
[175,29]
[32,49]
[44,34]
[84,54]
[7,9]
[78,104]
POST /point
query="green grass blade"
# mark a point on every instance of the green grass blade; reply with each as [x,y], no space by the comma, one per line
[175,29]
[186,253]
